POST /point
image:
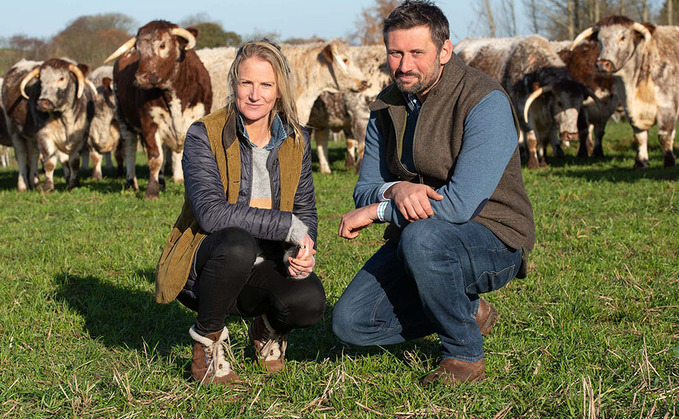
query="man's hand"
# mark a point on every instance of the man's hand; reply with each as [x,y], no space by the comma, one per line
[303,263]
[354,221]
[412,199]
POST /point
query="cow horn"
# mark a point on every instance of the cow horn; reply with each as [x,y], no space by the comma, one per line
[536,94]
[22,87]
[584,35]
[642,30]
[80,78]
[122,50]
[183,33]
[594,97]
[92,86]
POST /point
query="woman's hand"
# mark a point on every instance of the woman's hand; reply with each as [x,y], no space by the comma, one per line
[303,263]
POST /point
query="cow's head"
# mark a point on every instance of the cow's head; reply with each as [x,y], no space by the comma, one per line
[560,102]
[61,84]
[618,37]
[347,75]
[160,47]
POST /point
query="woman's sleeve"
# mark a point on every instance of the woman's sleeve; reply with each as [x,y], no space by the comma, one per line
[205,192]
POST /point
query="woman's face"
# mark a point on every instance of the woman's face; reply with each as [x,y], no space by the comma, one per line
[257,90]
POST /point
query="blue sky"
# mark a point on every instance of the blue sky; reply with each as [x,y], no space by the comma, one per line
[289,18]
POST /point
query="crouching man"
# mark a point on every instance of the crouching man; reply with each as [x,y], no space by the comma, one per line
[442,167]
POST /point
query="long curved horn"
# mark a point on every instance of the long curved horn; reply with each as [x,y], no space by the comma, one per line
[583,35]
[642,30]
[536,94]
[92,86]
[22,87]
[591,94]
[183,33]
[122,50]
[80,78]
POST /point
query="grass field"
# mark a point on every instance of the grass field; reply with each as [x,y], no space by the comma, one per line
[593,331]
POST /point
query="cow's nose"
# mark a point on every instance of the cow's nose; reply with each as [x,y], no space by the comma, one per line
[604,66]
[45,104]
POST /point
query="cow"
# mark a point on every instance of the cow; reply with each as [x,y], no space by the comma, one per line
[104,130]
[316,67]
[348,111]
[161,87]
[48,105]
[581,64]
[539,85]
[5,139]
[644,61]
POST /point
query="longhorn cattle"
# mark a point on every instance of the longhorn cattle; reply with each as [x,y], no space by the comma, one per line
[161,87]
[348,111]
[104,129]
[5,140]
[539,85]
[49,104]
[581,64]
[644,61]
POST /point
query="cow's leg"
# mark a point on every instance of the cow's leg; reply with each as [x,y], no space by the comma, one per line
[155,154]
[351,152]
[49,163]
[166,169]
[177,171]
[85,155]
[666,132]
[360,152]
[322,149]
[130,146]
[598,131]
[584,136]
[119,154]
[108,161]
[641,140]
[33,159]
[96,164]
[532,149]
[21,154]
[74,166]
[65,166]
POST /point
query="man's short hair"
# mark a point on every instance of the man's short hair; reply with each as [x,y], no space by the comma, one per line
[412,13]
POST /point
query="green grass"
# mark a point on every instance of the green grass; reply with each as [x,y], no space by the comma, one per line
[592,331]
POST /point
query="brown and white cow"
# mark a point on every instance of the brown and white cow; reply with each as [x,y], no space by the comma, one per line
[348,111]
[5,139]
[161,87]
[644,61]
[539,85]
[48,104]
[104,130]
[581,64]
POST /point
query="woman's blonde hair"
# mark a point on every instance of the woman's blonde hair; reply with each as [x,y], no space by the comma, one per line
[271,53]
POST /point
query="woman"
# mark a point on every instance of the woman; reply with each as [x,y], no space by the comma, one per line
[244,243]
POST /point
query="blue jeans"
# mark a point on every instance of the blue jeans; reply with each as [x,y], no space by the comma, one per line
[427,283]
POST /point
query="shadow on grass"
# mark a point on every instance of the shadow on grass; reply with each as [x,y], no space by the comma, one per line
[124,317]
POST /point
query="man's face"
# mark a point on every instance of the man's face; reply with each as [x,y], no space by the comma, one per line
[413,61]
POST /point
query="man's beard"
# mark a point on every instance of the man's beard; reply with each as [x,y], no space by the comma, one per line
[421,84]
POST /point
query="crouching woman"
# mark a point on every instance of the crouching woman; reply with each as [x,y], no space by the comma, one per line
[244,242]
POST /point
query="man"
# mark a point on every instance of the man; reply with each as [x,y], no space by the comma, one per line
[442,167]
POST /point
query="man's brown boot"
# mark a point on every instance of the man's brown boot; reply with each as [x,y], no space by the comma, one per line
[486,316]
[209,365]
[451,371]
[269,345]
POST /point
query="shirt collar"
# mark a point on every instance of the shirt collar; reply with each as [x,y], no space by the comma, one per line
[279,131]
[413,103]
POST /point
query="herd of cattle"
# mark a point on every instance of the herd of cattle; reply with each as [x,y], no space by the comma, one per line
[158,85]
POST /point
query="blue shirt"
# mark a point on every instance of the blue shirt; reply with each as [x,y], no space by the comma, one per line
[488,144]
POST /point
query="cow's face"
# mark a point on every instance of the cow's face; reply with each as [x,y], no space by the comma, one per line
[58,88]
[346,73]
[159,55]
[566,103]
[617,44]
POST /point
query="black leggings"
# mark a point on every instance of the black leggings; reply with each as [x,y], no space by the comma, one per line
[227,283]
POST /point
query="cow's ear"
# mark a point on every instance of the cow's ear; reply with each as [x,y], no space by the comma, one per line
[106,82]
[328,52]
[84,69]
[193,31]
[536,86]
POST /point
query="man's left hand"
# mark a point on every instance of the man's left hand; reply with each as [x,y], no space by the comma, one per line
[354,221]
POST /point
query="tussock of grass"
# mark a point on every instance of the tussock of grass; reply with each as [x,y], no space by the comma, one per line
[592,332]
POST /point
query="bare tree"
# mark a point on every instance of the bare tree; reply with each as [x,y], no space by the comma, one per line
[369,23]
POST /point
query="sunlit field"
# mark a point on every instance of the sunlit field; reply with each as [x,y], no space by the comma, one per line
[593,331]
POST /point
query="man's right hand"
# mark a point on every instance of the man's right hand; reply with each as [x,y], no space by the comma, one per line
[354,221]
[412,199]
